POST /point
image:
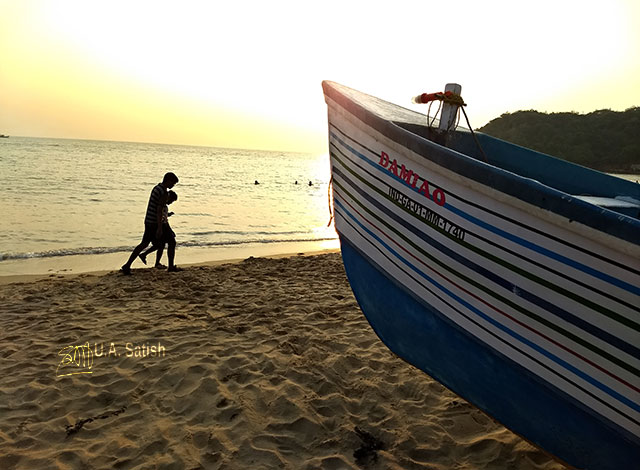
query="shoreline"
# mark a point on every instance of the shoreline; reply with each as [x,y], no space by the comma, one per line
[33,269]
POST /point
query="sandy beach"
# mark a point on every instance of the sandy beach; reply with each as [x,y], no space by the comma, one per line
[265,363]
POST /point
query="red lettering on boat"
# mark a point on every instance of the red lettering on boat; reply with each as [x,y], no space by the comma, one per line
[384,159]
[424,189]
[406,175]
[438,196]
[411,178]
[394,167]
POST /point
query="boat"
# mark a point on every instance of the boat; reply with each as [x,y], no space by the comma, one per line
[509,276]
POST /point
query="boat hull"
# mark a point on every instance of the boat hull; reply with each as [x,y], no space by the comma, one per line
[506,300]
[422,337]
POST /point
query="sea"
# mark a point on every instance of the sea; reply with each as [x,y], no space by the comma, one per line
[73,206]
[79,205]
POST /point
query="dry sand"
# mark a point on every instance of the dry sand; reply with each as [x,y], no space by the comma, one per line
[267,364]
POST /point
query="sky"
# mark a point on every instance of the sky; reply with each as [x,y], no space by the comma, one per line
[247,74]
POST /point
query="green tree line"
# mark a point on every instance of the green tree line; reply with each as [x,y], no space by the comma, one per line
[605,140]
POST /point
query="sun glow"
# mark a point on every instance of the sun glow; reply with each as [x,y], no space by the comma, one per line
[247,74]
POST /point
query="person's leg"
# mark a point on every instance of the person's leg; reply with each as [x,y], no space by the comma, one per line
[159,253]
[149,233]
[126,268]
[171,253]
[144,254]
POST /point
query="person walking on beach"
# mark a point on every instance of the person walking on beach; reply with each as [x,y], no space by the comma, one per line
[168,235]
[153,223]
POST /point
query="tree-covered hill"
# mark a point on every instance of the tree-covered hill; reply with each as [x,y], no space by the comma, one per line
[605,140]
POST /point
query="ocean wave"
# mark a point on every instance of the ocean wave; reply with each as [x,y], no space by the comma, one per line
[243,233]
[257,240]
[64,252]
[126,249]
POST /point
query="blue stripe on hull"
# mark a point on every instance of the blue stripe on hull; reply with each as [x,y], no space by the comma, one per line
[501,233]
[487,379]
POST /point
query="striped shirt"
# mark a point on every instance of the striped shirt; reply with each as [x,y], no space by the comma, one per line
[157,194]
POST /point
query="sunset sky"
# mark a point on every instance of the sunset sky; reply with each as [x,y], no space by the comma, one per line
[248,74]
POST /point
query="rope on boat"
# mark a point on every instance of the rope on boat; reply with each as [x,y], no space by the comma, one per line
[449,97]
[433,120]
[329,198]
[473,134]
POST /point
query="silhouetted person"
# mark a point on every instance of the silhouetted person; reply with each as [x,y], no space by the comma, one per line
[153,222]
[168,235]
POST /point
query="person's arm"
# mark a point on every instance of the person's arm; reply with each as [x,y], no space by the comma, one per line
[161,204]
